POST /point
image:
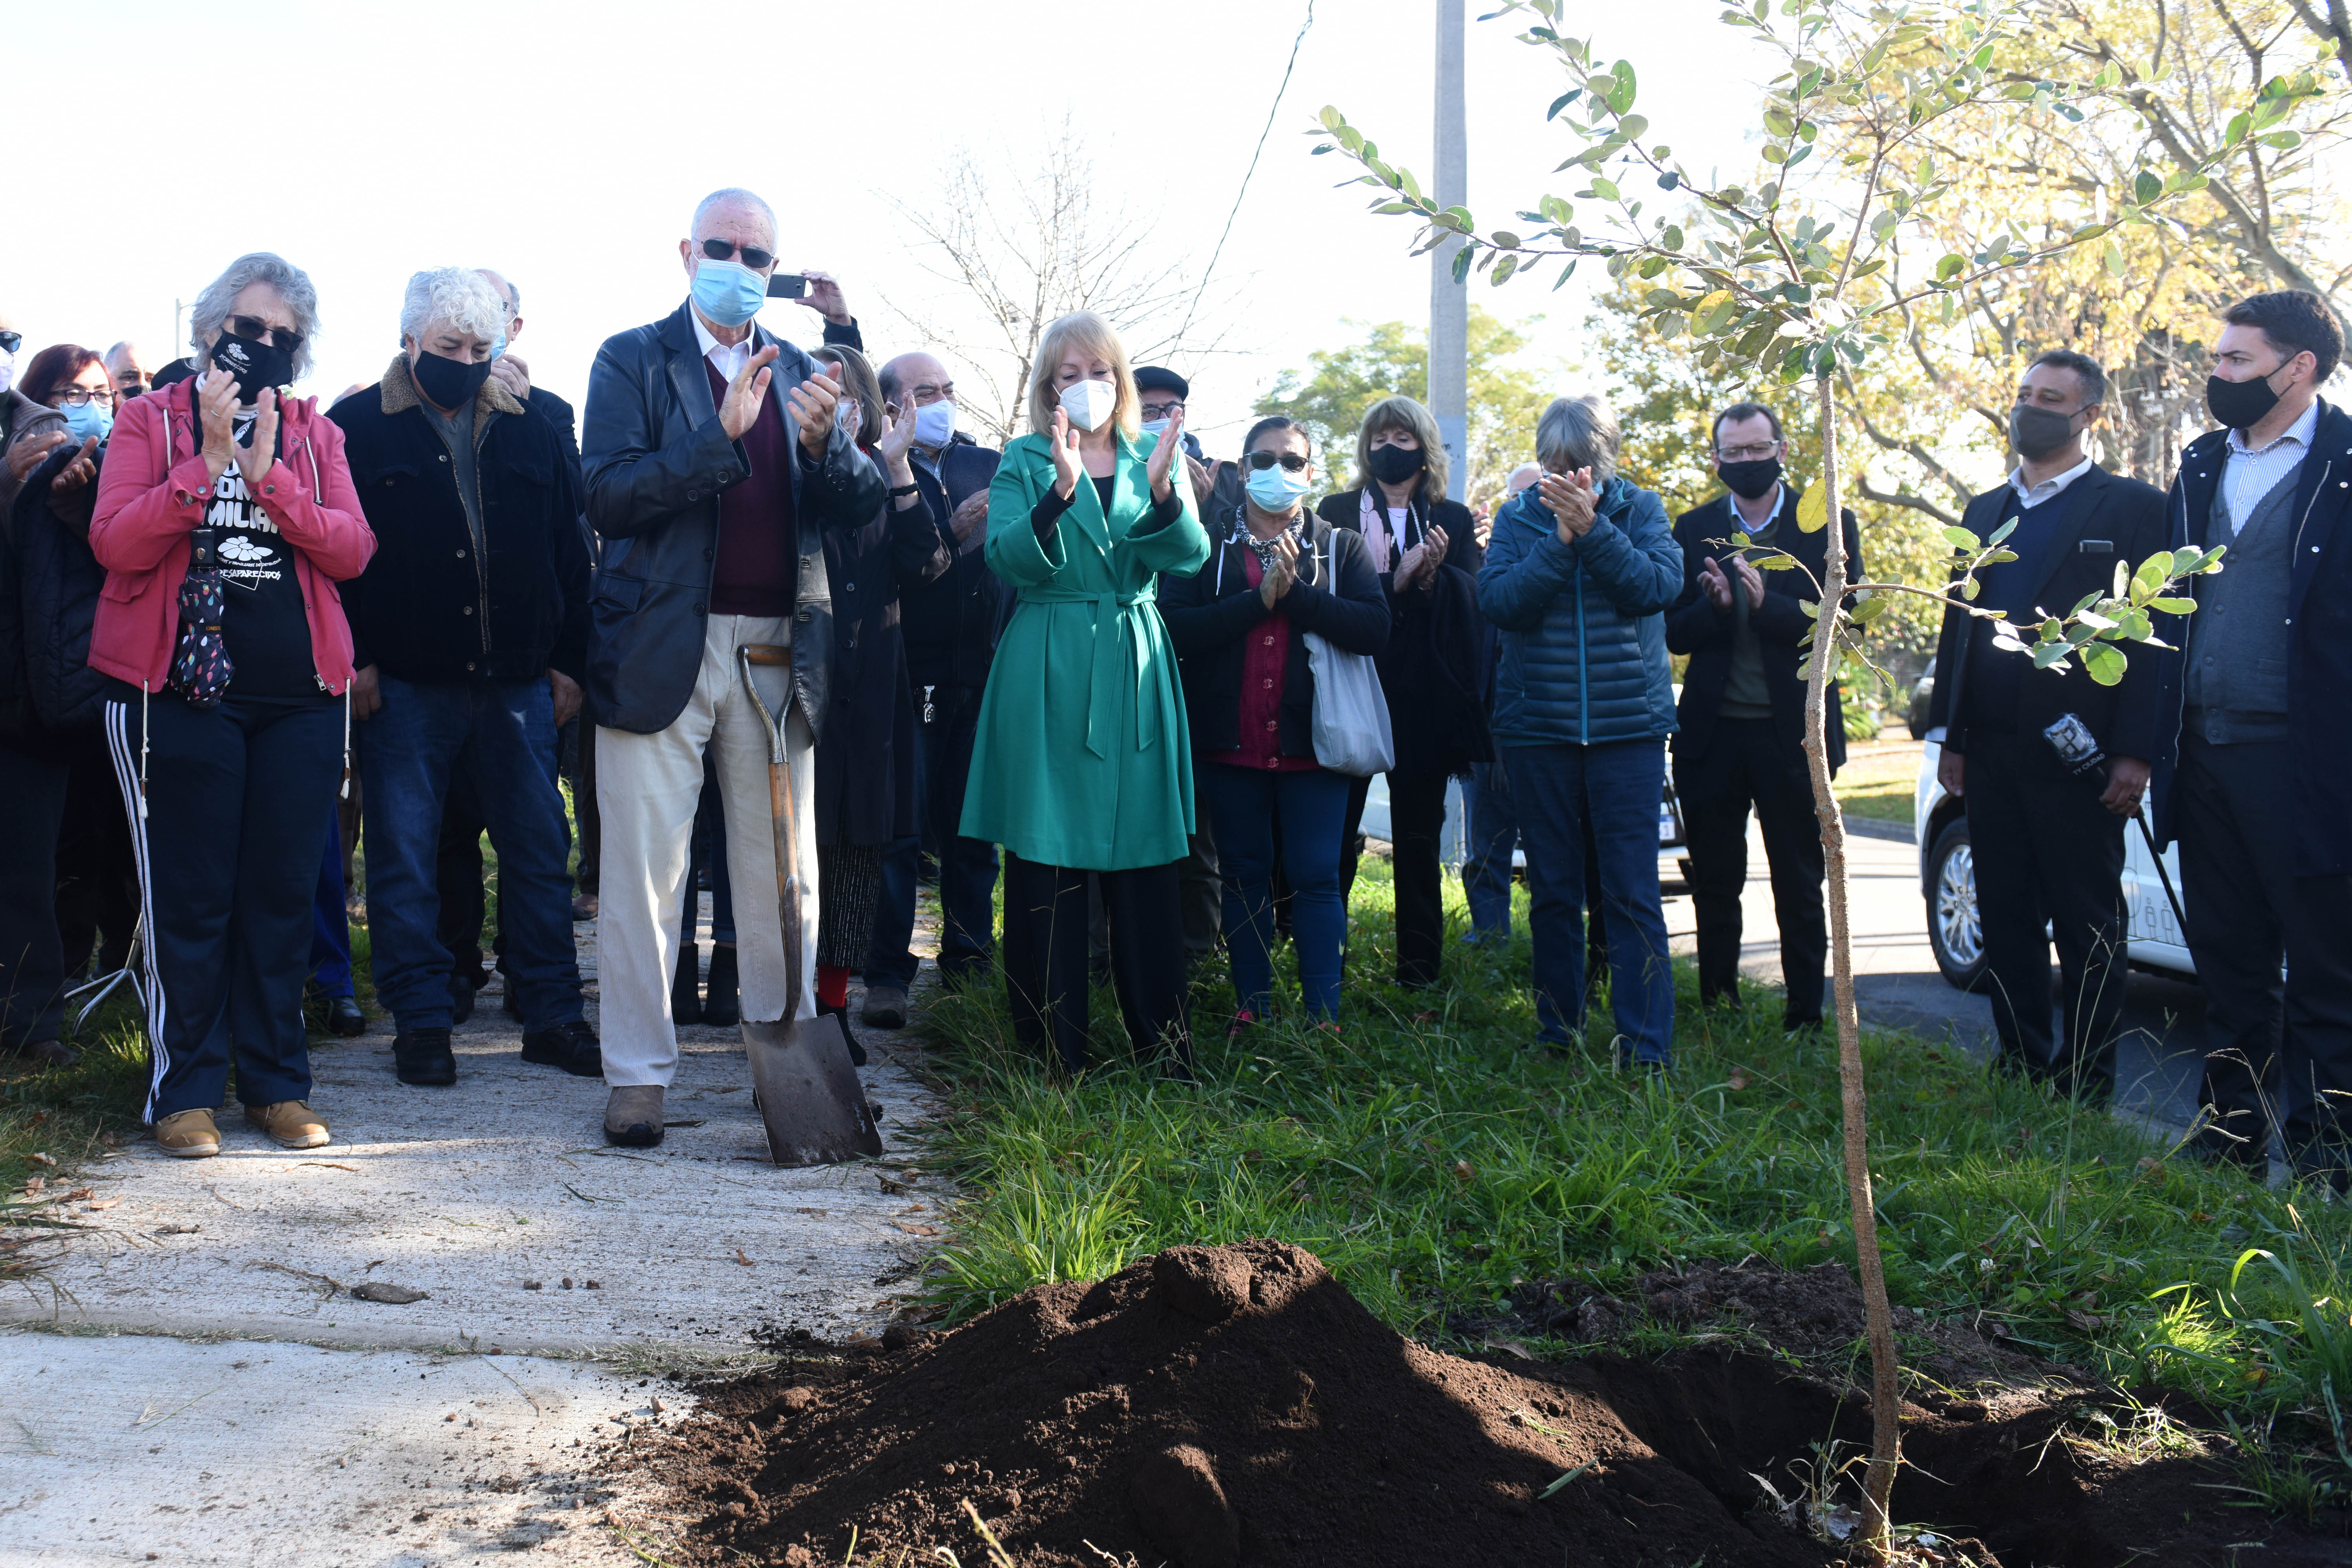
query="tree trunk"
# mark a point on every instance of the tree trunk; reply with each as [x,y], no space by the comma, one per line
[1885,1396]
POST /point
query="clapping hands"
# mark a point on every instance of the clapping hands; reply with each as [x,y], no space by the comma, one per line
[1418,565]
[1719,586]
[1571,501]
[1281,572]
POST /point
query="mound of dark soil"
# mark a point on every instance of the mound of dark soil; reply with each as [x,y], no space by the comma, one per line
[1217,1407]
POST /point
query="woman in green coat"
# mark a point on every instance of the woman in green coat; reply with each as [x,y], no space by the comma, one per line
[1082,762]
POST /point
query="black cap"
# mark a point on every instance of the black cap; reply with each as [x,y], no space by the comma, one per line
[1160,378]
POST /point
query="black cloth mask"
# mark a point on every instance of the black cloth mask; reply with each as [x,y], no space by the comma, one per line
[2038,432]
[1750,481]
[2240,405]
[255,364]
[450,383]
[1394,465]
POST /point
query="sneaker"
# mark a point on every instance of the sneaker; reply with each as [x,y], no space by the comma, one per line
[1244,1021]
[571,1047]
[461,998]
[188,1135]
[583,908]
[886,1007]
[633,1116]
[344,1017]
[720,1004]
[289,1124]
[422,1057]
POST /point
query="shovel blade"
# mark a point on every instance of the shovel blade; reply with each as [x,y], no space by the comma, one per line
[810,1096]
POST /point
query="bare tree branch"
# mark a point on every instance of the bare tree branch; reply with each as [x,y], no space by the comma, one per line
[1869,491]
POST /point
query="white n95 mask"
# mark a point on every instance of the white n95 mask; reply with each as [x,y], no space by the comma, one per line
[1089,403]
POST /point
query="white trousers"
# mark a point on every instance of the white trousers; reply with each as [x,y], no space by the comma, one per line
[646,788]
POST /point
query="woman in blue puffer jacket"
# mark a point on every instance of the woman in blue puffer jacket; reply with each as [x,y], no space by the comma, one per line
[1578,574]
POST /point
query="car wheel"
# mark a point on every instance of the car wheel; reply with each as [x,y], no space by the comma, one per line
[1954,921]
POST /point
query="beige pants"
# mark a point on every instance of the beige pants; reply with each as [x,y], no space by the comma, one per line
[646,787]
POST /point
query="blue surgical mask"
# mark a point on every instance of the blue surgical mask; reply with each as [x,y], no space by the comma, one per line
[1155,429]
[499,347]
[728,292]
[1277,489]
[93,420]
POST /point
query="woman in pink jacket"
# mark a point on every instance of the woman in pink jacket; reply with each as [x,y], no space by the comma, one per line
[225,518]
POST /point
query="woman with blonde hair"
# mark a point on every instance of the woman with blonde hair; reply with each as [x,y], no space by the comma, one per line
[1434,667]
[1083,763]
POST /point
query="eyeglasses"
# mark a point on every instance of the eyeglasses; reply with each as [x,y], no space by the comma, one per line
[1291,461]
[755,259]
[1754,452]
[81,397]
[1162,410]
[9,341]
[254,330]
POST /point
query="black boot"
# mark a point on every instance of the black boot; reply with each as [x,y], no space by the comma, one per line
[685,1005]
[461,995]
[422,1057]
[719,1001]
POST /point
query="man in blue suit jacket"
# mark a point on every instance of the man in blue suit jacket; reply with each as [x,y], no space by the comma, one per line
[2256,780]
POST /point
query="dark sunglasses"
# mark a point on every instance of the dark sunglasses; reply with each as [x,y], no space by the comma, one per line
[758,260]
[254,330]
[9,341]
[1291,461]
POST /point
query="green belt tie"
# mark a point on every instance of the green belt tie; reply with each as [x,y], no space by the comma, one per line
[1103,680]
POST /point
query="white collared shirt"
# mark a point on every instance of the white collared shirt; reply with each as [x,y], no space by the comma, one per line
[2253,473]
[2031,496]
[729,357]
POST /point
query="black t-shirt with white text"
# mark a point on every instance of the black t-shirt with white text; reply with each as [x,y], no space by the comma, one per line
[264,628]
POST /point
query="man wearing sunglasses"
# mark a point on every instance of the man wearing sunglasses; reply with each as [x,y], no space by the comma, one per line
[715,464]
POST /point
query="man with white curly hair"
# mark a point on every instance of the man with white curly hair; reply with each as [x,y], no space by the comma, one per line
[471,631]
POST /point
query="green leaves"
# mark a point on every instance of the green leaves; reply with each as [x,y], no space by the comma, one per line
[1961,538]
[2145,187]
[2104,663]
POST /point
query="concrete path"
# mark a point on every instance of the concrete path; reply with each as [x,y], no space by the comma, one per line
[193,1382]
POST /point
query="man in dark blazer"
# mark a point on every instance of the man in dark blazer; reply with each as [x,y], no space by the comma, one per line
[2047,834]
[1743,709]
[2254,774]
[715,464]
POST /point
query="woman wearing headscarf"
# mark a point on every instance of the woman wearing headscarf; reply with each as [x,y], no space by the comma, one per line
[225,517]
[1241,624]
[866,763]
[1082,762]
[1434,670]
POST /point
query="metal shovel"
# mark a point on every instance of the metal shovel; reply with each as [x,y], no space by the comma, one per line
[810,1096]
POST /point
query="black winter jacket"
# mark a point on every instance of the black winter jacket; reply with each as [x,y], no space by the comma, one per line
[1211,613]
[658,459]
[50,587]
[431,607]
[864,768]
[1694,627]
[1438,667]
[952,622]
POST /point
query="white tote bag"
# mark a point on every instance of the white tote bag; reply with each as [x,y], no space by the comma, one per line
[1352,713]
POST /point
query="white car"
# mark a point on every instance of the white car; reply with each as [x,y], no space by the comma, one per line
[1947,877]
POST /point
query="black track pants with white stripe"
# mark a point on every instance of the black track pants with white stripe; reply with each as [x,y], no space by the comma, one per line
[238,802]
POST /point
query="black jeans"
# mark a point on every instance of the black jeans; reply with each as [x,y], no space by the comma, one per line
[1417,818]
[944,733]
[1747,763]
[2047,852]
[238,798]
[2277,1043]
[97,881]
[1045,967]
[33,778]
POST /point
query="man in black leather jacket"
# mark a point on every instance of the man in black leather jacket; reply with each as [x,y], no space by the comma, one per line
[714,463]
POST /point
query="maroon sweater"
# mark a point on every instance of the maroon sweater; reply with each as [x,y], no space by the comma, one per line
[756,572]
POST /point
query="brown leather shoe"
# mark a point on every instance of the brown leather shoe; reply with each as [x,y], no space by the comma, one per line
[188,1135]
[633,1116]
[289,1124]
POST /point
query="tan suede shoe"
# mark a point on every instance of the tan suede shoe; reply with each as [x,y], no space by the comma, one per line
[289,1124]
[188,1135]
[633,1116]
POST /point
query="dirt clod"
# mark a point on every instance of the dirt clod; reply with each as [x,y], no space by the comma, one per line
[1207,1283]
[1184,1509]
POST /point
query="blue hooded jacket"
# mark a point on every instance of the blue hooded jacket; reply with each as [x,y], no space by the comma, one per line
[1584,637]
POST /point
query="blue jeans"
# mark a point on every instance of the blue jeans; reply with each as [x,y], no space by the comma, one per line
[1618,785]
[406,752]
[1244,804]
[1493,834]
[967,865]
[331,924]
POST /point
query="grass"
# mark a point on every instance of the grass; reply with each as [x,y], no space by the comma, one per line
[1434,1167]
[1879,780]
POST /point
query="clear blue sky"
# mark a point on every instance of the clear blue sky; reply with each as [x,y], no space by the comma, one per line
[565,145]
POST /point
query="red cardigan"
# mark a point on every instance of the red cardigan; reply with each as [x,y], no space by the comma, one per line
[154,489]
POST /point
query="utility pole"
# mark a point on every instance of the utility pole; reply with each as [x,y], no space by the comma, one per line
[1449,302]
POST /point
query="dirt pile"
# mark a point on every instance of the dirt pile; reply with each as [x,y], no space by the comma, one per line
[1213,1408]
[1208,1407]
